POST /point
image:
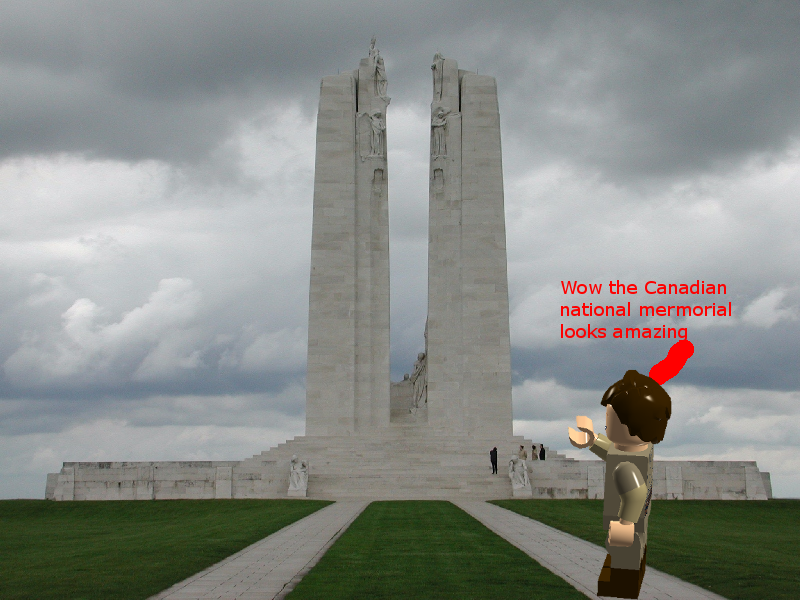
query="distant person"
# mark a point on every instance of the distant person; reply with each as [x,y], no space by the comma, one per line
[523,454]
[493,458]
[541,452]
[534,455]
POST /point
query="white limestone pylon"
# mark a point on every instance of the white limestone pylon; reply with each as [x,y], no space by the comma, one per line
[347,387]
[469,350]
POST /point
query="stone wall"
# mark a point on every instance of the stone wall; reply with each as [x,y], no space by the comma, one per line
[190,480]
[673,480]
[407,465]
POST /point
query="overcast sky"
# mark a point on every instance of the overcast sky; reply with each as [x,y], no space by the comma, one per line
[156,181]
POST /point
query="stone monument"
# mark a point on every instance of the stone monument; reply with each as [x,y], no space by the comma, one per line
[429,435]
[347,386]
[468,344]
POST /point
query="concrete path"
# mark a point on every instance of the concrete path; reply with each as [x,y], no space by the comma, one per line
[272,567]
[576,561]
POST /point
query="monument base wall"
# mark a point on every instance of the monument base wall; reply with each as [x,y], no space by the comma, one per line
[562,478]
[407,462]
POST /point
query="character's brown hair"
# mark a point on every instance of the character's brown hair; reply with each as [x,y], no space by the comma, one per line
[641,404]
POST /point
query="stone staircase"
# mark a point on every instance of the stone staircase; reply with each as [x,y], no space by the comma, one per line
[404,462]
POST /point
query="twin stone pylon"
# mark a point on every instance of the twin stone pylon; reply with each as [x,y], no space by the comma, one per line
[468,363]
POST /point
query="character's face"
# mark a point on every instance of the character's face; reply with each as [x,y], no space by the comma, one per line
[617,432]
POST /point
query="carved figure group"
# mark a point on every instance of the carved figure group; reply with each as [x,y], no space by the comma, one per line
[376,60]
[439,136]
[419,379]
[298,475]
[378,128]
[373,51]
[518,473]
[380,77]
[438,74]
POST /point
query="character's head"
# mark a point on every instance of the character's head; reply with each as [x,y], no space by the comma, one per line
[640,404]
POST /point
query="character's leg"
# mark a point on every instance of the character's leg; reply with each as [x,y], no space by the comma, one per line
[605,573]
[642,567]
[618,582]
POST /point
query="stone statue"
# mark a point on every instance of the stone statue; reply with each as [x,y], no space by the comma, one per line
[438,73]
[518,473]
[419,378]
[380,77]
[373,51]
[439,126]
[298,477]
[378,127]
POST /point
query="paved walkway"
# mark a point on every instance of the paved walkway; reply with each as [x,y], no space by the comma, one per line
[271,567]
[576,561]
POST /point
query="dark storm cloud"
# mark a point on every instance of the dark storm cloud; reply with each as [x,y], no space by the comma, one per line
[168,80]
[630,89]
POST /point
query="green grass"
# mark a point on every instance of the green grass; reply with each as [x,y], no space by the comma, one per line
[410,549]
[114,550]
[740,550]
[110,550]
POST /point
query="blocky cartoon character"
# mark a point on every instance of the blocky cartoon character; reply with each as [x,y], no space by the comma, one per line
[637,411]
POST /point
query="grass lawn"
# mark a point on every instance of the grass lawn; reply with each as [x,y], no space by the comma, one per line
[410,549]
[123,549]
[734,548]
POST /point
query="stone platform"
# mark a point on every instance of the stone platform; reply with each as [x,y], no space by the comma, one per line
[404,462]
[564,478]
[407,462]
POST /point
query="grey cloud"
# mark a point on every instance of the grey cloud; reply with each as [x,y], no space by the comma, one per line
[656,89]
[226,409]
[168,81]
[746,357]
[630,90]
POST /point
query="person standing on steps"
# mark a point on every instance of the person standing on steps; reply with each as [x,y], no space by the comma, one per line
[493,458]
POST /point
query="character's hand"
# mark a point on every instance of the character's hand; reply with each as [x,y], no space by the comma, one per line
[620,533]
[585,437]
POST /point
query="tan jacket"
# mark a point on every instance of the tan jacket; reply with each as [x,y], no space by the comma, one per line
[629,483]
